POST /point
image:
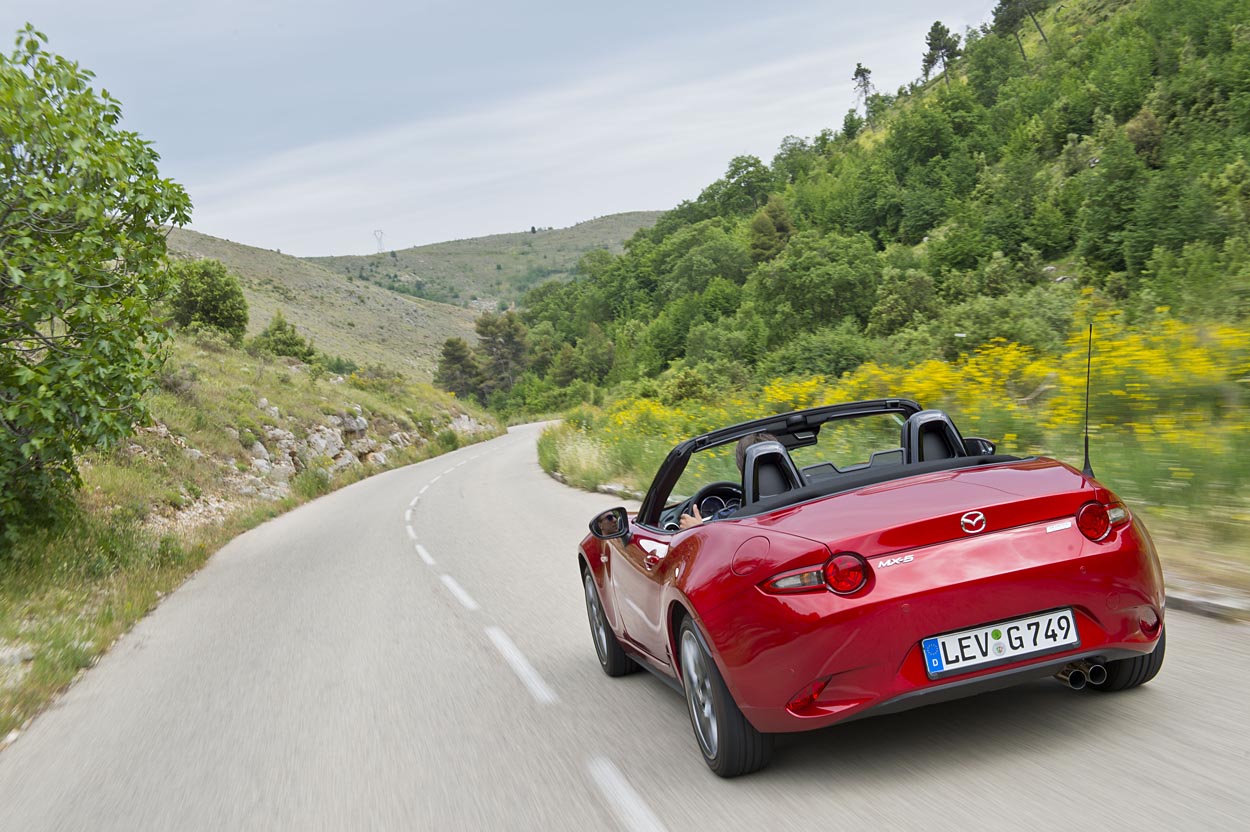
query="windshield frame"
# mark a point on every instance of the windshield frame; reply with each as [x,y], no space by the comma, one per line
[793,429]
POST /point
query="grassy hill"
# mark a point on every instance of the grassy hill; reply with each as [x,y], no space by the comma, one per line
[350,318]
[482,271]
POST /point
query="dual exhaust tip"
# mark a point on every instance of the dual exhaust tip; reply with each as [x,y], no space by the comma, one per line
[1079,674]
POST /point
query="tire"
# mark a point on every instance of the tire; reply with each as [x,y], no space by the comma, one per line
[1123,674]
[730,745]
[612,657]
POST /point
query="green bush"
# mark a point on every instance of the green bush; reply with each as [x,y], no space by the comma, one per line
[282,338]
[827,352]
[207,295]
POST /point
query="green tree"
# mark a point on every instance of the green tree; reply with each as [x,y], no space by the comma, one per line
[281,337]
[502,349]
[744,187]
[206,294]
[1111,191]
[1007,16]
[564,366]
[594,355]
[942,48]
[905,296]
[769,231]
[82,246]
[852,124]
[457,370]
[863,83]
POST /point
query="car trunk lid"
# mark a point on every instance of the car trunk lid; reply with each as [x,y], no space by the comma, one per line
[936,507]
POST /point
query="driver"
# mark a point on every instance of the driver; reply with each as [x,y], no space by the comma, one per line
[689,521]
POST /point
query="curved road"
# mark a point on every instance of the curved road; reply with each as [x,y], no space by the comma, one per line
[412,653]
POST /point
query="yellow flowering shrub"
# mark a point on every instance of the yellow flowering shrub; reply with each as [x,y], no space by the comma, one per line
[1168,412]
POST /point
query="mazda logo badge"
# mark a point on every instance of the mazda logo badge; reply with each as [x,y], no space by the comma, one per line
[973,522]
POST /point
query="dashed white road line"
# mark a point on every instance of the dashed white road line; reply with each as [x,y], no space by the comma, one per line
[626,804]
[465,462]
[408,516]
[457,591]
[425,556]
[448,471]
[424,489]
[411,534]
[434,480]
[520,665]
[414,500]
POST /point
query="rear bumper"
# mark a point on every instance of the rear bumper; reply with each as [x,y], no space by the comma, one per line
[868,648]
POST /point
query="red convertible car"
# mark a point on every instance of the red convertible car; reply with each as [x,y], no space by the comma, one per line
[867,559]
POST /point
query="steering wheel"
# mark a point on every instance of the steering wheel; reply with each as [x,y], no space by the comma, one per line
[723,491]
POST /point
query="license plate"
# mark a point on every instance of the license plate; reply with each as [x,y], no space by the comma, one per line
[994,644]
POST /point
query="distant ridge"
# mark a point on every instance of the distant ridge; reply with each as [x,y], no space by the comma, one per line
[350,318]
[480,272]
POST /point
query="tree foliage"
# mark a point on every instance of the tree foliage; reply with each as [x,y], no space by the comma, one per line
[82,251]
[207,294]
[280,337]
[942,48]
[458,371]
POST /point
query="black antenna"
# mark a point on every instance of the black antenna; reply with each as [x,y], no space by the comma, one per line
[1089,355]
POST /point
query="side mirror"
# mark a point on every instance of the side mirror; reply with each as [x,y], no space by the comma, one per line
[976,446]
[611,524]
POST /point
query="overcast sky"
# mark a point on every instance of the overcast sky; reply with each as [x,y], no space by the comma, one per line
[306,124]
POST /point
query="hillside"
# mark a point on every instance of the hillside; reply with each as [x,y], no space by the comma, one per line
[353,319]
[485,270]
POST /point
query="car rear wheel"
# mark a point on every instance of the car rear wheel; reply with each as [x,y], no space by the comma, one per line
[1129,673]
[731,746]
[612,657]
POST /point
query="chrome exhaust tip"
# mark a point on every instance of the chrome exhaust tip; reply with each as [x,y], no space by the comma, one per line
[1096,674]
[1072,676]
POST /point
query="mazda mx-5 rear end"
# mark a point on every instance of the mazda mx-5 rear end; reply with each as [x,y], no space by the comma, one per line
[935,587]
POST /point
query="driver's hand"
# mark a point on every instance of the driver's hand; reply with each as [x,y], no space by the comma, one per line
[689,521]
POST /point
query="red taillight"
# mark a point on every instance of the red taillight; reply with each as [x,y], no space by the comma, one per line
[1093,521]
[846,573]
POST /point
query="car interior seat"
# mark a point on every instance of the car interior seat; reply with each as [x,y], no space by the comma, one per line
[768,471]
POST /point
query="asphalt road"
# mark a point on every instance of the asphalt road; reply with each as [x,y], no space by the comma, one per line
[332,669]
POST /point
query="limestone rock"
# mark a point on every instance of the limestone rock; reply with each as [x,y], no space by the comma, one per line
[324,440]
[364,446]
[345,460]
[466,424]
[283,470]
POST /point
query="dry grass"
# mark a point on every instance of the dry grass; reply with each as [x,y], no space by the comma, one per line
[351,318]
[494,268]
